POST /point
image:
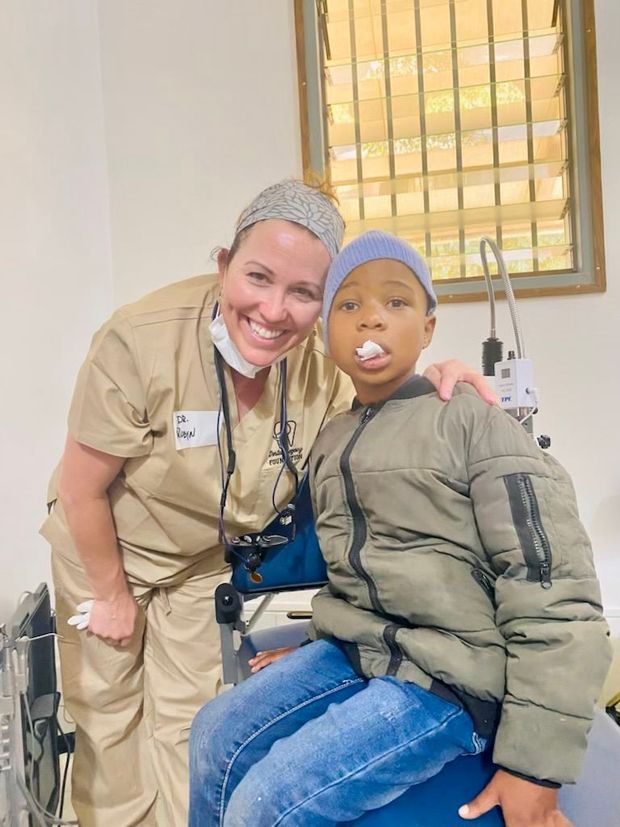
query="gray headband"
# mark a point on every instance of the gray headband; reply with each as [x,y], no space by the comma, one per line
[294,201]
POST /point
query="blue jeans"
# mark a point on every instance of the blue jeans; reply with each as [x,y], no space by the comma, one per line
[308,742]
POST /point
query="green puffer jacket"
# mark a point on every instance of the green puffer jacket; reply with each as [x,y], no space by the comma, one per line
[456,559]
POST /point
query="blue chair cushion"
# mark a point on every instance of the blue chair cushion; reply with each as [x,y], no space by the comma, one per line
[435,803]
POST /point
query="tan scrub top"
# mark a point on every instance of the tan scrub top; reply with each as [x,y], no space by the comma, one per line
[148,391]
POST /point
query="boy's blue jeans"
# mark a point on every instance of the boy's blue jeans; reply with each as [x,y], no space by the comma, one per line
[308,742]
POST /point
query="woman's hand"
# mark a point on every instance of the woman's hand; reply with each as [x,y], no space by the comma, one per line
[114,621]
[85,477]
[523,803]
[445,375]
[263,659]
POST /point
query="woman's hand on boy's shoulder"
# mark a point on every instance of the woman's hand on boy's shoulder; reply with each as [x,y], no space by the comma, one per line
[523,803]
[445,375]
[262,659]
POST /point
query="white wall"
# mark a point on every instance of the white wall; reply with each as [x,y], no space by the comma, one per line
[200,103]
[201,114]
[54,255]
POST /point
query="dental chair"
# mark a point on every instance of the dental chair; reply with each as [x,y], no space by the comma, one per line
[593,802]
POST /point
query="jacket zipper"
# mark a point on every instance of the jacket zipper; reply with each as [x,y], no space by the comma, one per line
[529,514]
[359,538]
[359,523]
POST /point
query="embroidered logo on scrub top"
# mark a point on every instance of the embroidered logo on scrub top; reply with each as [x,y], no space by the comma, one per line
[193,429]
[275,455]
[291,427]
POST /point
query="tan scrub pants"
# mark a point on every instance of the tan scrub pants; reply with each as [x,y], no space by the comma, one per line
[133,706]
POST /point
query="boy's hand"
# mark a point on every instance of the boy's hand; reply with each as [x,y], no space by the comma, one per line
[523,803]
[445,375]
[263,659]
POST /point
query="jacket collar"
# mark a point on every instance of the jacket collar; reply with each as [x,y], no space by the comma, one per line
[416,386]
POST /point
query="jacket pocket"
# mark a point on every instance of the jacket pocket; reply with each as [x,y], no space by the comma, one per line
[530,530]
[396,656]
[485,582]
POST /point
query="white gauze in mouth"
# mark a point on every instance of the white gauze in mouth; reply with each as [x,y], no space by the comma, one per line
[368,350]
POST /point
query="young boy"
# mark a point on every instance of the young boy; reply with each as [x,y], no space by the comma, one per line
[462,603]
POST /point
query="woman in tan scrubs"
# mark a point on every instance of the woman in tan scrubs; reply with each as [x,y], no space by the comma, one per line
[136,501]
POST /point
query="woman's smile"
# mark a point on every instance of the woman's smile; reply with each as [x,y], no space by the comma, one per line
[264,333]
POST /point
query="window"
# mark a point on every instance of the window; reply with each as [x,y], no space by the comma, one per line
[446,120]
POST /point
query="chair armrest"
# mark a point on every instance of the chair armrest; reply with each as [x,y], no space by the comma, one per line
[228,605]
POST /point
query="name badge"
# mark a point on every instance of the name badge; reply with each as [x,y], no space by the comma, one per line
[193,429]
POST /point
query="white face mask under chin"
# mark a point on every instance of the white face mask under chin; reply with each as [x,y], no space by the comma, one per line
[229,351]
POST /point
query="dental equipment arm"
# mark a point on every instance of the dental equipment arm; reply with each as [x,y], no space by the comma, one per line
[513,376]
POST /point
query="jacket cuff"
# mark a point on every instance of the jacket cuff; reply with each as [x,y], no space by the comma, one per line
[540,743]
[542,782]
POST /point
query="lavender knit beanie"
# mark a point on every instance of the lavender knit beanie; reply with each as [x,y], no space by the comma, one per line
[371,246]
